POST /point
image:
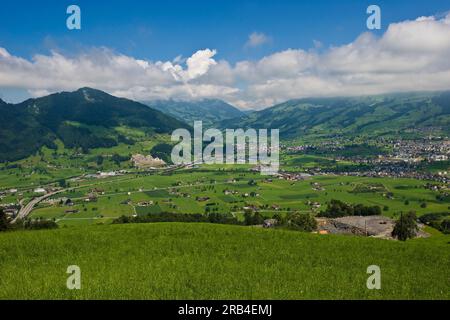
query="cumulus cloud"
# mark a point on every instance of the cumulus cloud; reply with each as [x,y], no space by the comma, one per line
[410,55]
[256,39]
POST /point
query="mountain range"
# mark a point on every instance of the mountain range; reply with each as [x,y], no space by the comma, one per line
[89,118]
[369,116]
[208,110]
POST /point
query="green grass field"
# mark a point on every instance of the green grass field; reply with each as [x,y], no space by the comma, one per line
[205,261]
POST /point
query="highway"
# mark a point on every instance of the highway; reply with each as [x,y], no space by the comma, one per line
[26,210]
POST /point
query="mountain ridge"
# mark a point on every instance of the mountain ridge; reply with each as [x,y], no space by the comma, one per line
[71,117]
[375,114]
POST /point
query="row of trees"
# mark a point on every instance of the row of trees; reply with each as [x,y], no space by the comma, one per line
[337,208]
[219,218]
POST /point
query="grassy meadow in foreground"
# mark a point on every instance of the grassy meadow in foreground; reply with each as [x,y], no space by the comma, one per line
[203,261]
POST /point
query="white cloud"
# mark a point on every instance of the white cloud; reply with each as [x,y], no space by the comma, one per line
[256,39]
[410,55]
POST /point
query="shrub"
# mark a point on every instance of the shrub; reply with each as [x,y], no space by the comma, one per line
[39,224]
[436,220]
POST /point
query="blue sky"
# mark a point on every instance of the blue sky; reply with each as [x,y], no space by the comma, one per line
[162,30]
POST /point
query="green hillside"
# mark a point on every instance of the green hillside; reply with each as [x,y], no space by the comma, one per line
[83,119]
[202,261]
[209,110]
[393,114]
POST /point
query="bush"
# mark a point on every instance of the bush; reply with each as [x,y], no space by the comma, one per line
[4,221]
[301,222]
[445,226]
[438,221]
[39,224]
[405,227]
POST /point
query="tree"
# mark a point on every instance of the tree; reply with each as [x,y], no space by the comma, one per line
[251,219]
[4,223]
[252,183]
[99,160]
[62,183]
[405,227]
[258,218]
[302,222]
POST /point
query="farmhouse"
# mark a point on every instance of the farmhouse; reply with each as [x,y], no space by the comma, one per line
[91,197]
[270,223]
[145,203]
[11,212]
[40,190]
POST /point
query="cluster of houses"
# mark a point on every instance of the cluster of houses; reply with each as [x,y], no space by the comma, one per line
[419,150]
[398,172]
[140,161]
[237,193]
[10,209]
[316,186]
[179,194]
[314,205]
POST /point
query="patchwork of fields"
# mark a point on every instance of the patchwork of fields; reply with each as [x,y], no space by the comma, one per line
[215,190]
